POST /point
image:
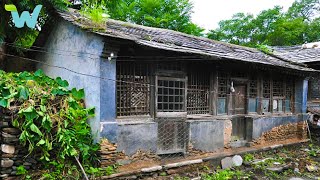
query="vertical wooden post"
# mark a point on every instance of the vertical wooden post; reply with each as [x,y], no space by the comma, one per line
[260,93]
[271,95]
[213,100]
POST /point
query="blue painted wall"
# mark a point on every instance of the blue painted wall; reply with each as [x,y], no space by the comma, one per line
[73,48]
[108,90]
[301,93]
[109,126]
[265,124]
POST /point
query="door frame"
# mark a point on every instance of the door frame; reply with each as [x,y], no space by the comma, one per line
[241,82]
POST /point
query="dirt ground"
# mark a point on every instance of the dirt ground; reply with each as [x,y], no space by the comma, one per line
[301,161]
[146,160]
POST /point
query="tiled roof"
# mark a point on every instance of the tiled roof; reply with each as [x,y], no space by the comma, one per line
[176,41]
[298,54]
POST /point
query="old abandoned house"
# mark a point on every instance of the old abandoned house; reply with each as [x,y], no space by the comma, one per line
[308,54]
[163,91]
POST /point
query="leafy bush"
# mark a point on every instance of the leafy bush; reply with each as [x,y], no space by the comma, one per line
[52,119]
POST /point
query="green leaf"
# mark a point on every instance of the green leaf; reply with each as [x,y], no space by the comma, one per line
[35,129]
[4,103]
[59,91]
[46,122]
[66,123]
[15,123]
[78,95]
[43,108]
[40,113]
[73,152]
[23,93]
[30,149]
[62,83]
[91,111]
[10,7]
[29,113]
[39,73]
[41,142]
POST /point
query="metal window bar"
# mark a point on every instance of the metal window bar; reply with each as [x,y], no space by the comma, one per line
[133,89]
[289,96]
[253,96]
[266,94]
[198,92]
[170,95]
[253,89]
[278,95]
[222,93]
[223,85]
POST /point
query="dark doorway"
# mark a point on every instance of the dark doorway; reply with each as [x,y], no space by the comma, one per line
[239,128]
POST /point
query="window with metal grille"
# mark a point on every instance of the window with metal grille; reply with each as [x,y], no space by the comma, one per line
[314,89]
[253,96]
[289,99]
[198,92]
[278,96]
[222,93]
[133,89]
[266,94]
[171,95]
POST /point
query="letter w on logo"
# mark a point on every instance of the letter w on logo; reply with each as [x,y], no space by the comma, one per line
[25,17]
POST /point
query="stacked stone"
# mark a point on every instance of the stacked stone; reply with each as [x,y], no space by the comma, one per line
[284,132]
[303,130]
[109,154]
[13,154]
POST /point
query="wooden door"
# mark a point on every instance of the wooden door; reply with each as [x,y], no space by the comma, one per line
[239,97]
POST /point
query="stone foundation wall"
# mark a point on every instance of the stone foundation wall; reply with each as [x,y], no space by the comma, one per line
[227,133]
[284,132]
[12,154]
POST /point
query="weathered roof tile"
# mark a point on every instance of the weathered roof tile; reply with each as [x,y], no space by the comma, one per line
[180,42]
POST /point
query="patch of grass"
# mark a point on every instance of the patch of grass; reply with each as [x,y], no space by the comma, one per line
[163,174]
[264,49]
[248,157]
[226,174]
[97,14]
[313,150]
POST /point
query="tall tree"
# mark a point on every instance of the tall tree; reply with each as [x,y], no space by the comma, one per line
[169,14]
[306,9]
[273,26]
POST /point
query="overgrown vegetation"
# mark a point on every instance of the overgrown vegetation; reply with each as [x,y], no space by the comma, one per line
[53,123]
